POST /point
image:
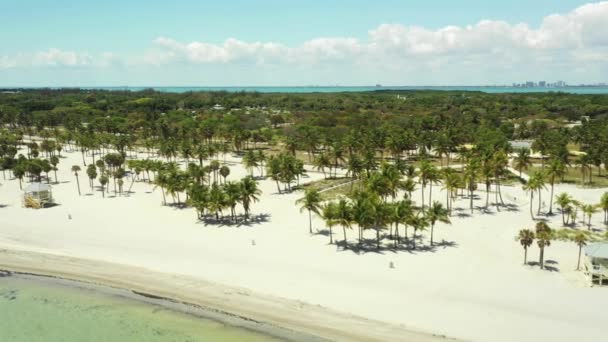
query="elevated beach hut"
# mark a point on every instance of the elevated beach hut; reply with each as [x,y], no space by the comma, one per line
[37,195]
[596,262]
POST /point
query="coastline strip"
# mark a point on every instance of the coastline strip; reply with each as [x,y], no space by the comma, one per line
[271,314]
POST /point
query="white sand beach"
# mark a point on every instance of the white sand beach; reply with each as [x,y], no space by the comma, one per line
[471,286]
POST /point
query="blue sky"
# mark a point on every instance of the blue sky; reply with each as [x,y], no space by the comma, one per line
[272,42]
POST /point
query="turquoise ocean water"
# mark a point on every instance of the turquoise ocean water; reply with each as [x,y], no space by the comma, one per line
[32,310]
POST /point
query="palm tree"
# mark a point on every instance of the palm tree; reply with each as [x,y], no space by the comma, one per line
[470,179]
[92,174]
[526,238]
[564,200]
[54,160]
[321,162]
[408,186]
[19,172]
[584,163]
[402,214]
[418,222]
[232,192]
[311,202]
[522,161]
[103,180]
[224,172]
[426,171]
[451,181]
[556,169]
[362,211]
[604,205]
[250,161]
[343,216]
[330,214]
[581,240]
[76,169]
[544,235]
[589,210]
[216,201]
[249,194]
[436,212]
[534,184]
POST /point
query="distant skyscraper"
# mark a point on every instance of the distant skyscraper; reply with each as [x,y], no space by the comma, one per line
[542,83]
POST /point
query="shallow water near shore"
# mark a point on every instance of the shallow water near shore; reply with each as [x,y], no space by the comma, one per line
[35,310]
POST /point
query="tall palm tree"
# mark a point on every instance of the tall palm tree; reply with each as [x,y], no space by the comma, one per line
[451,181]
[330,213]
[426,171]
[526,238]
[232,191]
[584,163]
[556,169]
[470,178]
[408,186]
[418,222]
[402,213]
[54,160]
[363,211]
[249,193]
[343,216]
[544,235]
[522,161]
[76,169]
[564,200]
[436,212]
[103,180]
[311,202]
[534,184]
[92,174]
[19,173]
[250,161]
[589,210]
[581,240]
[224,172]
[604,205]
[321,162]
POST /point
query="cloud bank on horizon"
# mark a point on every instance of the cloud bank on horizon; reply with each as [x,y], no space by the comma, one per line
[570,46]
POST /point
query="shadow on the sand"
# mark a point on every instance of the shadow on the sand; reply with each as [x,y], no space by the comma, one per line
[239,221]
[405,245]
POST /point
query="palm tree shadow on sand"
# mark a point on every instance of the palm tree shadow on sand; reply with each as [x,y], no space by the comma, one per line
[370,246]
[226,221]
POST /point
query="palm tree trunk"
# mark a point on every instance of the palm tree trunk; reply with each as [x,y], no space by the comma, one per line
[539,202]
[487,195]
[414,239]
[578,264]
[78,184]
[344,231]
[542,258]
[310,221]
[430,193]
[432,230]
[396,234]
[331,239]
[551,199]
[377,238]
[531,202]
[423,196]
[525,255]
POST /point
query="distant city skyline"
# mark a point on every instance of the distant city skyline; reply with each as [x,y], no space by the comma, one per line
[279,43]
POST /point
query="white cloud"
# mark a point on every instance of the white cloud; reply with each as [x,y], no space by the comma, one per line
[561,40]
[583,29]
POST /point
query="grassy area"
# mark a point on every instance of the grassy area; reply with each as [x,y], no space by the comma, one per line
[330,188]
[567,234]
[574,176]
